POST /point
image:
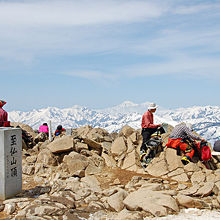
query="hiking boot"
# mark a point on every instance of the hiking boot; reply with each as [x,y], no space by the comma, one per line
[144,165]
[186,159]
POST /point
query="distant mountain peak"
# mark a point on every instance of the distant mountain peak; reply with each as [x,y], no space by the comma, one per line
[127,103]
[206,119]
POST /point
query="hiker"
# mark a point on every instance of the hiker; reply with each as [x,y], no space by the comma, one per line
[148,126]
[182,138]
[3,115]
[59,130]
[44,129]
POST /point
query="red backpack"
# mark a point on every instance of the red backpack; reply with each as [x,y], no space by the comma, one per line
[204,151]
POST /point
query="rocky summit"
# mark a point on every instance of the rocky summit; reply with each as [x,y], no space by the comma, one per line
[93,174]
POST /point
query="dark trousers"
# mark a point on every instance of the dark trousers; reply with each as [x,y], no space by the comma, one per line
[146,134]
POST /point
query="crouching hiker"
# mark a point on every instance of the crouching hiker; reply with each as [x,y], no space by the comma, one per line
[59,130]
[182,139]
[44,129]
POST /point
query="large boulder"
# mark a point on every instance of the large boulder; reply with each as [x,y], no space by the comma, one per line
[99,135]
[158,166]
[109,161]
[126,131]
[191,191]
[166,135]
[80,146]
[96,164]
[134,137]
[92,183]
[115,201]
[93,145]
[128,215]
[198,177]
[130,160]
[106,147]
[205,190]
[118,147]
[76,163]
[154,202]
[173,160]
[189,202]
[130,145]
[83,131]
[62,144]
[25,127]
[46,157]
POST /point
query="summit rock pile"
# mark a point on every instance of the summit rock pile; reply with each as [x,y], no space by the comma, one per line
[97,175]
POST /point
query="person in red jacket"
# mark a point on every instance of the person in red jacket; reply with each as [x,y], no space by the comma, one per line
[3,115]
[59,130]
[148,126]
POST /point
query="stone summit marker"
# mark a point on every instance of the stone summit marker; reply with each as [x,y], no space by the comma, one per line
[10,162]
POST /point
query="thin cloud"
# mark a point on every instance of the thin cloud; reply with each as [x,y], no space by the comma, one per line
[193,9]
[90,74]
[178,66]
[186,67]
[31,29]
[35,30]
[84,12]
[173,41]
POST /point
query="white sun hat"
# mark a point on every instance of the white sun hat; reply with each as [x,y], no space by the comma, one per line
[152,106]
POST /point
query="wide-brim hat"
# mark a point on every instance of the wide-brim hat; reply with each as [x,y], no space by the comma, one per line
[2,103]
[152,106]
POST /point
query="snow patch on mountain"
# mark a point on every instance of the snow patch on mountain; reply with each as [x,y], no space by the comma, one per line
[206,120]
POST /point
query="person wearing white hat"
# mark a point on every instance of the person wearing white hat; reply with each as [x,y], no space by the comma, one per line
[147,125]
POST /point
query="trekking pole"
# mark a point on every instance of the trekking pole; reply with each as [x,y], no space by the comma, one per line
[50,131]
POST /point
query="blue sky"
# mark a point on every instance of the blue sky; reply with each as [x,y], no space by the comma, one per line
[100,53]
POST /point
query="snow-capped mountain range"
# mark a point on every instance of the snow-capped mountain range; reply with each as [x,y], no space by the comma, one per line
[206,119]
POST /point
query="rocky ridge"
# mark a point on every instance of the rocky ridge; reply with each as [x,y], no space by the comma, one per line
[99,173]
